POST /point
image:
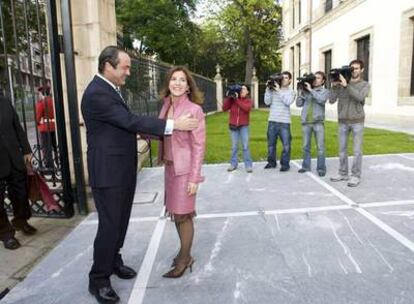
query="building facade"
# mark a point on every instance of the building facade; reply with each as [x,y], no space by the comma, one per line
[325,34]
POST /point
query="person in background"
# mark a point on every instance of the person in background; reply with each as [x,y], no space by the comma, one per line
[15,156]
[312,100]
[279,98]
[45,119]
[239,108]
[351,116]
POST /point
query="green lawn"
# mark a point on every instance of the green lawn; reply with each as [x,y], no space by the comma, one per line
[376,141]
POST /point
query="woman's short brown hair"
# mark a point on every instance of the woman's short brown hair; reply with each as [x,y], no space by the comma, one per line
[195,95]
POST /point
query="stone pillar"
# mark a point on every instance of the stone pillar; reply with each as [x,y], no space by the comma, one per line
[93,28]
[255,89]
[219,89]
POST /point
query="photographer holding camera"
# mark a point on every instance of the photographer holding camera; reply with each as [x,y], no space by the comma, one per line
[312,98]
[351,99]
[279,97]
[239,106]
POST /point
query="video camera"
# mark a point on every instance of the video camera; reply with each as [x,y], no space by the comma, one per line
[273,79]
[306,78]
[233,91]
[345,71]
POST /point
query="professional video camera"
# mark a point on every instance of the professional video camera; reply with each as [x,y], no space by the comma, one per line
[233,91]
[345,71]
[273,79]
[306,78]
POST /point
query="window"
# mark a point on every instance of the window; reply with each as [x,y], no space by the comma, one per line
[412,65]
[328,5]
[293,14]
[300,11]
[328,65]
[363,54]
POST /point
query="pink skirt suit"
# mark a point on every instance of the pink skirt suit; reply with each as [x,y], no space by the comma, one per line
[183,155]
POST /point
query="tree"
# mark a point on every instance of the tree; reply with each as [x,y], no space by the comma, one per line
[252,32]
[162,26]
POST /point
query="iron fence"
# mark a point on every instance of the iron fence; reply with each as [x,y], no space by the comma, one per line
[142,89]
[25,66]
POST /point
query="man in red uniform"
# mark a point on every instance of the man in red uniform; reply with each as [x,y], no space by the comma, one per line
[45,120]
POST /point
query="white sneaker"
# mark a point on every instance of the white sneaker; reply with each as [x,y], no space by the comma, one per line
[231,168]
[339,177]
[354,181]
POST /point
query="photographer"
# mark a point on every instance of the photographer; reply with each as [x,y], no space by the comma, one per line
[351,99]
[312,99]
[279,97]
[239,106]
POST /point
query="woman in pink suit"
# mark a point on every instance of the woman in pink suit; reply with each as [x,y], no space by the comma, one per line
[182,154]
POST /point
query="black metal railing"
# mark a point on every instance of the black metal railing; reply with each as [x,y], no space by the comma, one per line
[142,89]
[25,66]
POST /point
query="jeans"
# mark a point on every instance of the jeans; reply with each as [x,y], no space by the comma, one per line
[241,133]
[318,130]
[357,130]
[275,130]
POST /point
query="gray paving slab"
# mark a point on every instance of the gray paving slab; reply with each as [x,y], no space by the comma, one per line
[266,237]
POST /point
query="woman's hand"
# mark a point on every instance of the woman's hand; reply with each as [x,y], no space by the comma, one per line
[192,188]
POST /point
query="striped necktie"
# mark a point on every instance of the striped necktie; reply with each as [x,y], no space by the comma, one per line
[120,94]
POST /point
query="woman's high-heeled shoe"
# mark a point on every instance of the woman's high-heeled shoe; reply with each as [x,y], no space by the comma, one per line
[176,272]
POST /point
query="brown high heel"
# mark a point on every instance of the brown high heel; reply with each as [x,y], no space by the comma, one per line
[174,273]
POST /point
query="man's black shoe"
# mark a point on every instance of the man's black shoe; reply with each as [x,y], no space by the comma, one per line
[269,166]
[11,243]
[26,228]
[125,272]
[104,295]
[284,169]
[302,170]
[321,173]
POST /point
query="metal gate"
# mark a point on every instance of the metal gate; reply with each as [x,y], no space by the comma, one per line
[29,65]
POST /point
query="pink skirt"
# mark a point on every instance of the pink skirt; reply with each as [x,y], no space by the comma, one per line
[177,200]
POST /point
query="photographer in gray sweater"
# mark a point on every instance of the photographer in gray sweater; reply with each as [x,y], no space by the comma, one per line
[312,100]
[351,99]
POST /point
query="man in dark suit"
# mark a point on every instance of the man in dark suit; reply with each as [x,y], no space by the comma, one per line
[112,162]
[15,153]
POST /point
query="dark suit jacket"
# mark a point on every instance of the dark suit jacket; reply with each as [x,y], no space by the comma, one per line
[13,139]
[111,135]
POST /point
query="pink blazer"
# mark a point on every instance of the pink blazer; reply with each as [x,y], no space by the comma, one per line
[188,147]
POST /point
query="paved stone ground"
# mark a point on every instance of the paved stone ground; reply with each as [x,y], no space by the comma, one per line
[266,237]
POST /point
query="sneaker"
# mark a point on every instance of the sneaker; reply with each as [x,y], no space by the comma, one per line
[354,181]
[321,173]
[231,168]
[249,170]
[302,170]
[269,166]
[339,177]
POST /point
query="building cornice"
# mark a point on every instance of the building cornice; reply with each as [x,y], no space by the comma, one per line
[341,9]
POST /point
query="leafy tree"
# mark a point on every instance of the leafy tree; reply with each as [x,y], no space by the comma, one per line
[162,26]
[248,33]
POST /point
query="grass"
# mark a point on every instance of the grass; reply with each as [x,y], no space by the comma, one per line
[376,141]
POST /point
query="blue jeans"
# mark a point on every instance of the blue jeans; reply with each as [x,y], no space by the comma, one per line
[357,130]
[241,133]
[281,130]
[319,131]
